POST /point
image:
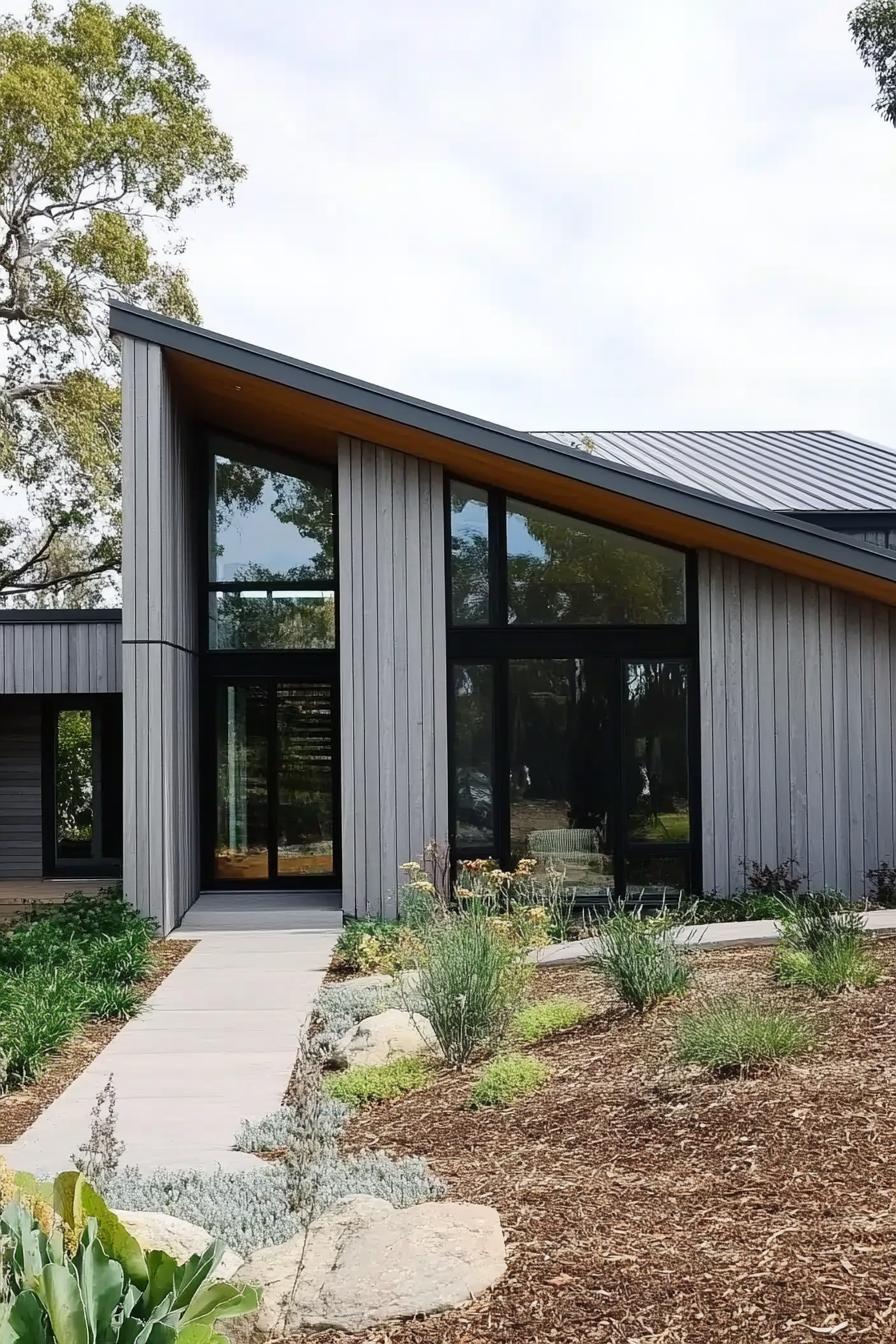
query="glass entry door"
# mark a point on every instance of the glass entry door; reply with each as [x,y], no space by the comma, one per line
[275,784]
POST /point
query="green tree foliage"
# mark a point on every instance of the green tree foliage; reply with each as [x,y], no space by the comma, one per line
[105,138]
[873,28]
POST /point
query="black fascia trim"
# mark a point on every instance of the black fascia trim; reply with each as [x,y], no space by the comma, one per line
[62,616]
[837,520]
[777,529]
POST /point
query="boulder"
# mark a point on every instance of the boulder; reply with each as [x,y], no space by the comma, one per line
[366,1263]
[366,982]
[389,1035]
[177,1237]
[408,982]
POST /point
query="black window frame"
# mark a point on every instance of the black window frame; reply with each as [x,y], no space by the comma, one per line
[501,641]
[268,664]
[106,864]
[208,585]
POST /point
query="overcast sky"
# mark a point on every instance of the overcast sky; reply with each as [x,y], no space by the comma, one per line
[564,214]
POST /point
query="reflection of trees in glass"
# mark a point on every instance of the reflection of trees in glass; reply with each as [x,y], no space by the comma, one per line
[74,775]
[656,761]
[469,555]
[560,734]
[302,502]
[578,573]
[473,714]
[290,621]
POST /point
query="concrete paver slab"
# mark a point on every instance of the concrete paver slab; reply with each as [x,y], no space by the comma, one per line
[215,1044]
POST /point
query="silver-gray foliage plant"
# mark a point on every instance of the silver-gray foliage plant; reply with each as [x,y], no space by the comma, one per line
[338,1008]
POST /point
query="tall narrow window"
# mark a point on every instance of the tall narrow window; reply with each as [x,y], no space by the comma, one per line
[271,551]
[77,769]
[474,774]
[470,588]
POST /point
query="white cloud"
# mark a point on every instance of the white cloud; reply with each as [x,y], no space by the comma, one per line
[585,213]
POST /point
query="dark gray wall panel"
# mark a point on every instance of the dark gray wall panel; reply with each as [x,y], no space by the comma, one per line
[392,669]
[21,840]
[796,690]
[59,657]
[159,615]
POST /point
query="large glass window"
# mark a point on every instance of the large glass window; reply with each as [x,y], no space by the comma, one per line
[565,571]
[656,752]
[474,792]
[563,781]
[469,555]
[271,561]
[82,793]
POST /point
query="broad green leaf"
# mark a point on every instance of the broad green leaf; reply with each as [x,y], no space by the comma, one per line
[116,1239]
[161,1269]
[27,1320]
[58,1290]
[67,1199]
[199,1333]
[219,1300]
[102,1285]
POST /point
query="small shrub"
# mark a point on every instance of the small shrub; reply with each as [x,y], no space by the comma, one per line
[548,1016]
[471,984]
[507,1078]
[98,1158]
[376,1082]
[882,881]
[39,1010]
[820,921]
[838,966]
[109,1000]
[781,880]
[638,958]
[371,945]
[733,1034]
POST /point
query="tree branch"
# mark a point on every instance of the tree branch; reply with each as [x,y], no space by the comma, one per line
[61,582]
[38,555]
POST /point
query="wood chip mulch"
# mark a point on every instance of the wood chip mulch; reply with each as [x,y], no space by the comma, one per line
[20,1108]
[643,1202]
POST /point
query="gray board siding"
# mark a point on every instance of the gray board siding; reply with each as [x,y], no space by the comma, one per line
[59,657]
[159,632]
[797,727]
[394,717]
[21,837]
[769,469]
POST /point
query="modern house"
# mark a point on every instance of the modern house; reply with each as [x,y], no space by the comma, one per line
[353,622]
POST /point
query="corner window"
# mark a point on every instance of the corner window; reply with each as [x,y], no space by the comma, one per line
[271,564]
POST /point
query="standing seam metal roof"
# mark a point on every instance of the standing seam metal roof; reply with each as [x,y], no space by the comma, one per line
[769,469]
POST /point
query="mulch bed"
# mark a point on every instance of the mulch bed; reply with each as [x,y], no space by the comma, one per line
[645,1202]
[20,1108]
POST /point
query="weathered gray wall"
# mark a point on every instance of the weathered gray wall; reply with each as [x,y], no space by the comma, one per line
[21,840]
[797,701]
[394,718]
[50,657]
[159,637]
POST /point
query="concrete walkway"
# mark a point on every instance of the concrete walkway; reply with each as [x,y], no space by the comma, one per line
[737,933]
[215,1044]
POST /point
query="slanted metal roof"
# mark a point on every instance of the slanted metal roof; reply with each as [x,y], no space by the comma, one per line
[798,470]
[365,410]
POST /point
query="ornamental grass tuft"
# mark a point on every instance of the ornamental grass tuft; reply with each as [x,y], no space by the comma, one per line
[638,958]
[739,1033]
[507,1078]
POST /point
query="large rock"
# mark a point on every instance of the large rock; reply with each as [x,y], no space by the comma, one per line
[365,1263]
[365,982]
[389,1035]
[177,1237]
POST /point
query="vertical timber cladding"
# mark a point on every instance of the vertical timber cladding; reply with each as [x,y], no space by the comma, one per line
[393,671]
[797,726]
[159,643]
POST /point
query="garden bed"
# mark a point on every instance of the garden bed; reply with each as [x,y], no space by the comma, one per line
[644,1201]
[21,1107]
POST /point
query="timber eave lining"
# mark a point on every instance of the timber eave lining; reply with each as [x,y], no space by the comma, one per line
[380,407]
